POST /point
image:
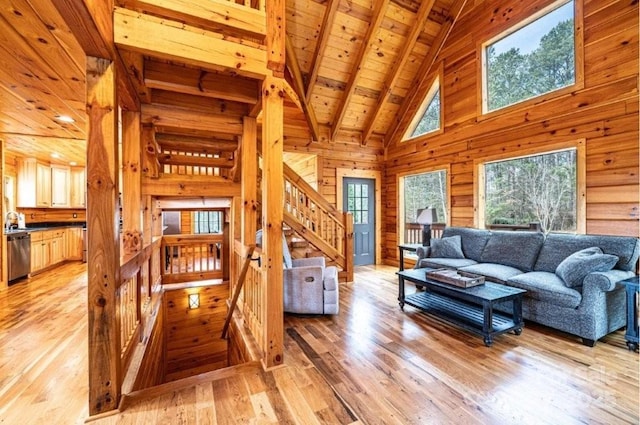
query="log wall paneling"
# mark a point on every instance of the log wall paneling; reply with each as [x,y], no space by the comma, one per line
[193,336]
[604,113]
[102,246]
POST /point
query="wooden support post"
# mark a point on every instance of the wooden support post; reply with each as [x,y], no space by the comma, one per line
[151,166]
[276,37]
[272,211]
[147,226]
[103,268]
[131,182]
[249,169]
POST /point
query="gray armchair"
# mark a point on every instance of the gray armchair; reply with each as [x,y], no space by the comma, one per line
[310,287]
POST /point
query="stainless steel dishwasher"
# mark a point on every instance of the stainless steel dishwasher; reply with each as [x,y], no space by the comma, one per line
[18,254]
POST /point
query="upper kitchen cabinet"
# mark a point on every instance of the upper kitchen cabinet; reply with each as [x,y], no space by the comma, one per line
[34,184]
[45,186]
[78,188]
[60,186]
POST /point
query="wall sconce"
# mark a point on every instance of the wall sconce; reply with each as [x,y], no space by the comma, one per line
[194,301]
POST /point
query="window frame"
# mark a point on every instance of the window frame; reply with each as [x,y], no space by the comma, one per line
[195,221]
[479,179]
[400,228]
[436,84]
[502,31]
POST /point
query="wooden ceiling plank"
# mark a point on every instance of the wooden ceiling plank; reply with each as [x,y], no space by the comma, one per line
[192,120]
[217,15]
[321,45]
[398,65]
[298,85]
[379,9]
[39,147]
[425,67]
[195,161]
[182,43]
[176,78]
[42,59]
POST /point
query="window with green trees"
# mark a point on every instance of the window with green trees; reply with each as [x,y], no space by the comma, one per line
[421,191]
[533,189]
[536,59]
[207,222]
[427,119]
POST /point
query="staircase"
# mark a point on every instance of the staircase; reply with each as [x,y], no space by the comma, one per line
[314,219]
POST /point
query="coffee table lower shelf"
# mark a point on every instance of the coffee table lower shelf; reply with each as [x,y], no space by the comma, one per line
[466,315]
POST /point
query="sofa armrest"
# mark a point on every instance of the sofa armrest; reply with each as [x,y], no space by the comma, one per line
[303,275]
[308,262]
[604,281]
[423,252]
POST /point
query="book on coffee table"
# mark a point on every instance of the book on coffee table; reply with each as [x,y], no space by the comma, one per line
[455,277]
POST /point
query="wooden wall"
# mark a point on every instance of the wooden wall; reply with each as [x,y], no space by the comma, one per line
[604,112]
[193,337]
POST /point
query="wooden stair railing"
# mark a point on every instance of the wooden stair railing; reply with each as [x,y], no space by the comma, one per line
[238,288]
[311,216]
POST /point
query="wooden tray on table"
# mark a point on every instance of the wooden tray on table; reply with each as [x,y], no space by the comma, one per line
[455,278]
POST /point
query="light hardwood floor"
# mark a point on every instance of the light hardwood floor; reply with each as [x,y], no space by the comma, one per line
[370,364]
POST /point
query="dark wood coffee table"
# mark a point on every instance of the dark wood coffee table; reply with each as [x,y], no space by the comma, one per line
[470,308]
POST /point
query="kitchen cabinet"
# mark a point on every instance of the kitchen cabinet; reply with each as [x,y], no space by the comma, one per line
[74,243]
[58,246]
[26,196]
[40,251]
[78,188]
[43,185]
[60,186]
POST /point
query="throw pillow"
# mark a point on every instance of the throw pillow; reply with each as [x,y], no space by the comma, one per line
[573,269]
[450,247]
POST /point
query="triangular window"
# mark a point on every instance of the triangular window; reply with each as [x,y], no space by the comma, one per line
[427,119]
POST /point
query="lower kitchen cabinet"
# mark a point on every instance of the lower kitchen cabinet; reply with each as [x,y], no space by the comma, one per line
[51,247]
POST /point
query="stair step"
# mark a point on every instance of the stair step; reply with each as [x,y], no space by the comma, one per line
[169,387]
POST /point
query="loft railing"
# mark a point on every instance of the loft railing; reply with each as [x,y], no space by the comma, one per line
[192,257]
[194,164]
[252,299]
[315,219]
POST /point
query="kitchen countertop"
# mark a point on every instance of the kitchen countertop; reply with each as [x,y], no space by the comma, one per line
[43,226]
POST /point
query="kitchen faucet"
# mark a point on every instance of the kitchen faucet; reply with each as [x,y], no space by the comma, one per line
[10,217]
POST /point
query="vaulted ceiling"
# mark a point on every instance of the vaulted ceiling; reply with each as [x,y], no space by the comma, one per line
[354,66]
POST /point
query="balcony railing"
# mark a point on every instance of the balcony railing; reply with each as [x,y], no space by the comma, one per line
[192,257]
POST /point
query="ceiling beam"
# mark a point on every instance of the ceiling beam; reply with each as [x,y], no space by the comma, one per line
[198,103]
[195,161]
[321,45]
[134,64]
[190,186]
[191,120]
[417,91]
[276,36]
[298,86]
[202,145]
[379,9]
[164,76]
[183,43]
[217,15]
[398,65]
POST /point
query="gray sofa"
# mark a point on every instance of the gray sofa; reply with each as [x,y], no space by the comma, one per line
[579,297]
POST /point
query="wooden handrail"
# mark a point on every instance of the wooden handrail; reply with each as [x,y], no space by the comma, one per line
[238,288]
[294,178]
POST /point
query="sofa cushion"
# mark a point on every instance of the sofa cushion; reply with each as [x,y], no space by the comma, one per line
[558,246]
[473,240]
[575,267]
[449,247]
[448,263]
[515,249]
[493,272]
[547,287]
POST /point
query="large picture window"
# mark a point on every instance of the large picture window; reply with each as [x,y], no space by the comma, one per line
[420,191]
[530,60]
[533,189]
[207,222]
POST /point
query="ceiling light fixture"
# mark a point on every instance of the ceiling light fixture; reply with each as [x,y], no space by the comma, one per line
[65,118]
[73,163]
[55,155]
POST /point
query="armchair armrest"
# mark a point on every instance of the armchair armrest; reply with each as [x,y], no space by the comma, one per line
[303,276]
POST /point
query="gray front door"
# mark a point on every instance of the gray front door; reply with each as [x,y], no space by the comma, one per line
[359,200]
